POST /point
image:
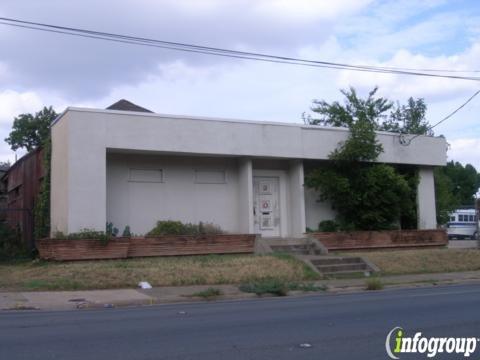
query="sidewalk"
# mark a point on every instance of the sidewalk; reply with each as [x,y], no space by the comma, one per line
[71,300]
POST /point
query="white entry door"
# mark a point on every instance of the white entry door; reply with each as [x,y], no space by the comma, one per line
[266,205]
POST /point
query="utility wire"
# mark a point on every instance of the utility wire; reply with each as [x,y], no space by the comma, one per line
[122,39]
[132,42]
[407,142]
[226,52]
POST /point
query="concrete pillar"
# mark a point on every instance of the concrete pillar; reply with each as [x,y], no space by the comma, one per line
[78,175]
[426,213]
[245,194]
[297,199]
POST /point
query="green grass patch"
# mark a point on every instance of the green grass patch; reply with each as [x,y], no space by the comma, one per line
[159,271]
[208,294]
[422,261]
[277,287]
[266,286]
[306,287]
[308,272]
[52,284]
[374,283]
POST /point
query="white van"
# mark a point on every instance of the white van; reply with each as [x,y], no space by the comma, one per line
[463,224]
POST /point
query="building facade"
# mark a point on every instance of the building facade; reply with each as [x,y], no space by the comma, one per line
[135,168]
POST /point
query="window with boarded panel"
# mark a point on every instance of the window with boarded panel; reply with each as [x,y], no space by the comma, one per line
[146,175]
[210,177]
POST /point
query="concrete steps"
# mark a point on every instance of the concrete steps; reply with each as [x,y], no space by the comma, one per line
[315,256]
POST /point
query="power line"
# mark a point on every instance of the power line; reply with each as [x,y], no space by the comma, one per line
[177,46]
[132,42]
[407,142]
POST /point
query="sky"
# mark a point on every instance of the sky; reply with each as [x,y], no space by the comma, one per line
[41,69]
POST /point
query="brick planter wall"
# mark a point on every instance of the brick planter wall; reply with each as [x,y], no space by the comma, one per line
[381,239]
[84,249]
[168,245]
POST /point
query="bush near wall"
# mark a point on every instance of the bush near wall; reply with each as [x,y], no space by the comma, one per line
[171,227]
[11,244]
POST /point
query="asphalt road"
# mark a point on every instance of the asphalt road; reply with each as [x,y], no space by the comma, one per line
[352,326]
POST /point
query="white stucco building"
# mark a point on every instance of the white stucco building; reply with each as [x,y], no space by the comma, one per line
[134,168]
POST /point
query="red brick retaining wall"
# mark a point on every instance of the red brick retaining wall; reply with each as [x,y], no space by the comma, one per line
[168,245]
[381,239]
[190,245]
[84,249]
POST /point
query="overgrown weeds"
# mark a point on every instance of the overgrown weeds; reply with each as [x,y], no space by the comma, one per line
[209,294]
[374,283]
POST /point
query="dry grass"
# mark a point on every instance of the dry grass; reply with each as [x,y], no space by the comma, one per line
[392,262]
[186,270]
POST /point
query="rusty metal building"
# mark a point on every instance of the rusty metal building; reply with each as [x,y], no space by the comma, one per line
[23,182]
[3,192]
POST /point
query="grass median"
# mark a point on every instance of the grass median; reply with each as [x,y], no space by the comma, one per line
[420,261]
[163,271]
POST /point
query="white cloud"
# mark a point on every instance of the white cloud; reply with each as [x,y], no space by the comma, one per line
[435,89]
[248,90]
[401,33]
[309,10]
[392,24]
[465,150]
[13,103]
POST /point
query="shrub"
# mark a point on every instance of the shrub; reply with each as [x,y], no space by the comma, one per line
[210,293]
[374,284]
[84,234]
[126,232]
[307,287]
[266,286]
[170,227]
[111,230]
[11,244]
[328,226]
[209,229]
[278,287]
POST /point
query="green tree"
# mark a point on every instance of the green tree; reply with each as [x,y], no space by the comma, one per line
[372,109]
[455,184]
[365,195]
[464,181]
[31,131]
[408,119]
[445,200]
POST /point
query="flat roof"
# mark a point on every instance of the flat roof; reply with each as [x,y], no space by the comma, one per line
[218,119]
